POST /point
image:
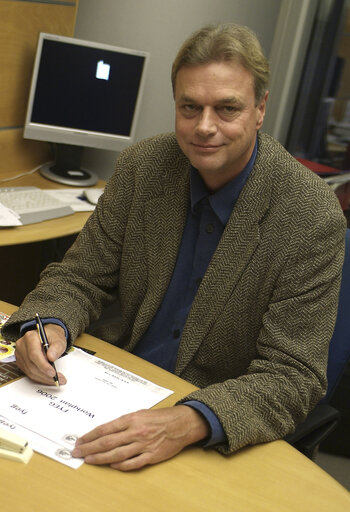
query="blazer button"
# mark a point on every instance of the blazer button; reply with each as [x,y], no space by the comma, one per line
[209,228]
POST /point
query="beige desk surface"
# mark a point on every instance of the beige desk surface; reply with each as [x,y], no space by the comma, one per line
[46,230]
[265,478]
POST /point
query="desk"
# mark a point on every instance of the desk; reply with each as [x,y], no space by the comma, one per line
[24,244]
[265,478]
[46,230]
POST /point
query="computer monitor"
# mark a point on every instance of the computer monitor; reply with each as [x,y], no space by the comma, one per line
[83,94]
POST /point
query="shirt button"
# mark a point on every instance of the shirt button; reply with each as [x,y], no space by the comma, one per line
[198,281]
[209,228]
[176,333]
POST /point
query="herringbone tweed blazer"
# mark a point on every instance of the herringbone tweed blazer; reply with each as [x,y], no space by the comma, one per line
[256,337]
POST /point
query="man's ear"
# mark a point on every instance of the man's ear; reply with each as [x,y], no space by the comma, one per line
[261,109]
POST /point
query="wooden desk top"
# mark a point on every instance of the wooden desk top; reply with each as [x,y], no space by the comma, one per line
[265,478]
[48,229]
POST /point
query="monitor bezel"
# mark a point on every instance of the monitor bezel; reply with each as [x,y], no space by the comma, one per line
[73,136]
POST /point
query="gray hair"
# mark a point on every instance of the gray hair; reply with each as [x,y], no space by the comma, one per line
[225,42]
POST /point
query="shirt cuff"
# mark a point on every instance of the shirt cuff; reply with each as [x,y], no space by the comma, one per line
[31,324]
[217,432]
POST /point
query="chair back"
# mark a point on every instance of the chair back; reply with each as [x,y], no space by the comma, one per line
[339,348]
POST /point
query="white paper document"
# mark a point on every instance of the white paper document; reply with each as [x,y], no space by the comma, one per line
[8,218]
[96,392]
[73,197]
[41,444]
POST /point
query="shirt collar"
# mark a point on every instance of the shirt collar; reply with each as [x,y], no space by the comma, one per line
[224,199]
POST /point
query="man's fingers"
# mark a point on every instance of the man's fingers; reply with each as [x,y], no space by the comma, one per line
[31,358]
[57,341]
[107,450]
[111,427]
[92,443]
[141,438]
[36,374]
[131,464]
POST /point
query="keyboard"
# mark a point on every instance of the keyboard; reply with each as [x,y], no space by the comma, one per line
[33,204]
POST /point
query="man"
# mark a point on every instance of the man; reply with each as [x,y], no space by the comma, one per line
[225,254]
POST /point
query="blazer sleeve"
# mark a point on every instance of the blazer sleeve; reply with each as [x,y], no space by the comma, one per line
[77,289]
[287,377]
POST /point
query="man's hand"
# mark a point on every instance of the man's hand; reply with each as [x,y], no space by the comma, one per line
[143,437]
[31,358]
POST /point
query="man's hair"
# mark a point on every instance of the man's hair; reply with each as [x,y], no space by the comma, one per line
[225,42]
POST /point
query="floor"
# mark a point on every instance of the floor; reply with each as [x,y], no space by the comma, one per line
[337,467]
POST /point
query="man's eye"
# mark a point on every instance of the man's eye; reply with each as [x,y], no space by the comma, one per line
[190,108]
[228,109]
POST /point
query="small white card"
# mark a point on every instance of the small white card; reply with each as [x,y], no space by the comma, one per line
[8,218]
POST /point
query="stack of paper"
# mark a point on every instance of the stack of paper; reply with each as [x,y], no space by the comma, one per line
[51,418]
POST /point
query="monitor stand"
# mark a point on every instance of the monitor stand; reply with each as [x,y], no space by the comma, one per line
[66,167]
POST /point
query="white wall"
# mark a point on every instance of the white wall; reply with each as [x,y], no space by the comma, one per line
[160,26]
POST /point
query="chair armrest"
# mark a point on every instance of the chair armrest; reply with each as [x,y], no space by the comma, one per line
[316,427]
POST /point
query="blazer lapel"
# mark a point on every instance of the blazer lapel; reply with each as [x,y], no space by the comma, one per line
[165,218]
[236,247]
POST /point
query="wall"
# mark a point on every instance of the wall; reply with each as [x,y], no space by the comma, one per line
[20,24]
[160,26]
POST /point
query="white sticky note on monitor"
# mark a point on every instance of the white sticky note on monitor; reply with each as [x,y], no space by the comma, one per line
[102,70]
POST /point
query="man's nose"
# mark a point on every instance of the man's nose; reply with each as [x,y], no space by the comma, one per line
[206,123]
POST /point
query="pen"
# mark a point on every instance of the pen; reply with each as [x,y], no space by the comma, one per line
[45,344]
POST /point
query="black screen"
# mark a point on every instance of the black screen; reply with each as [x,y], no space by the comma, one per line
[74,91]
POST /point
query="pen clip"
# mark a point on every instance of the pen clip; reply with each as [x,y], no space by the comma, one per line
[41,332]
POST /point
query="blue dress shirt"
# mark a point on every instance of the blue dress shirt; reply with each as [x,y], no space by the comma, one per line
[205,224]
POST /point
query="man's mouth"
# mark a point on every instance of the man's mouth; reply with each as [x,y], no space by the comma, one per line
[206,148]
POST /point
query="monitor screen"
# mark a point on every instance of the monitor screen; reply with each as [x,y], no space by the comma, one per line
[84,93]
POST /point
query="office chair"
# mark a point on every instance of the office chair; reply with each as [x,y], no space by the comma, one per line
[322,420]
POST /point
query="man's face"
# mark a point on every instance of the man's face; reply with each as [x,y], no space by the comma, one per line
[217,119]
